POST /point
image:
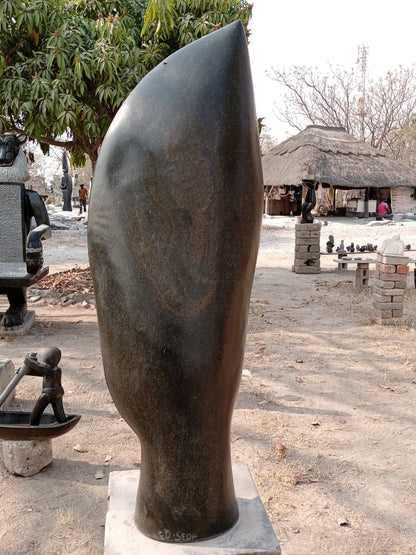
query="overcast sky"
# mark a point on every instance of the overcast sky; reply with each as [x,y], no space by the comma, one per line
[322,32]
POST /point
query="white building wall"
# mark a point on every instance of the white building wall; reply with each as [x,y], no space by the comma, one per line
[402,200]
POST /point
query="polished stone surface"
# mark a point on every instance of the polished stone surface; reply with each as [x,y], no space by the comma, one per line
[173,234]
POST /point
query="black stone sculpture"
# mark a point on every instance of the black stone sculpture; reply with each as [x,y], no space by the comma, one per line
[66,185]
[38,425]
[330,243]
[52,390]
[173,238]
[13,170]
[309,203]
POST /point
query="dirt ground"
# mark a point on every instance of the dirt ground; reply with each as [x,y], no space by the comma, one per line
[325,418]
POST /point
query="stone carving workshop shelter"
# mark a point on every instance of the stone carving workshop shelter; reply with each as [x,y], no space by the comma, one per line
[351,177]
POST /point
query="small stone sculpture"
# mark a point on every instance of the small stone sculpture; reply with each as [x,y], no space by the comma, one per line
[330,243]
[52,390]
[341,247]
[309,203]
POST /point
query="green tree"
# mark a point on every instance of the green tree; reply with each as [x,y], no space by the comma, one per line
[66,66]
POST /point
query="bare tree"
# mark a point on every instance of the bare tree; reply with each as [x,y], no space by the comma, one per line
[404,147]
[267,142]
[337,100]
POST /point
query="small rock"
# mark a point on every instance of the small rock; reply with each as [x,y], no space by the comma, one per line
[79,448]
[280,449]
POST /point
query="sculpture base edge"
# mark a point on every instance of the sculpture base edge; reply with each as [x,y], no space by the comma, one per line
[252,534]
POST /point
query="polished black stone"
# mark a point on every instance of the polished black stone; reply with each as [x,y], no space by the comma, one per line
[173,237]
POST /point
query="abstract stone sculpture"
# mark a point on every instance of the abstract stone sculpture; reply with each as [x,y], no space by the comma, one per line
[309,203]
[173,238]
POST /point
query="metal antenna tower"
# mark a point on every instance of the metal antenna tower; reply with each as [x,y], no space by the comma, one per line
[362,61]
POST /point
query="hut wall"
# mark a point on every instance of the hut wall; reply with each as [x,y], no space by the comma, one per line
[281,207]
[403,200]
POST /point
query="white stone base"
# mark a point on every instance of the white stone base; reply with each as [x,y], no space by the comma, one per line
[26,458]
[252,534]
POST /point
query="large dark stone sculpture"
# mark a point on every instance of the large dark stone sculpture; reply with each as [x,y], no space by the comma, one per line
[173,238]
[18,242]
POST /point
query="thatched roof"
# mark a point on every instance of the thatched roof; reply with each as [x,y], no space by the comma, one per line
[330,155]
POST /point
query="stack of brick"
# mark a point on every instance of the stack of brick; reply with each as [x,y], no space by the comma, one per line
[307,249]
[390,279]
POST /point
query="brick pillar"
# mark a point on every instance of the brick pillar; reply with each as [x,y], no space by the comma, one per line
[307,249]
[362,275]
[390,279]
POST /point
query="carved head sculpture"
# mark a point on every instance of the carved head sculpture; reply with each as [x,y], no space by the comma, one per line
[9,147]
[13,163]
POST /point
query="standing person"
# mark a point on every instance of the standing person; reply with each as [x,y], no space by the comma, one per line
[83,195]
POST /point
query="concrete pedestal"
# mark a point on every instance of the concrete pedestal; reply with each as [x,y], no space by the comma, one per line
[252,534]
[6,374]
[27,458]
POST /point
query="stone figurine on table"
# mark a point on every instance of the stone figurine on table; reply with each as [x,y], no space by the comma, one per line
[330,243]
[173,238]
[341,247]
[13,172]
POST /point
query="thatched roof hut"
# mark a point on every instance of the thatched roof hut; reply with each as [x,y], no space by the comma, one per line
[331,156]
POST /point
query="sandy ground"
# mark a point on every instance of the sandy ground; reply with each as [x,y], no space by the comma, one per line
[325,418]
